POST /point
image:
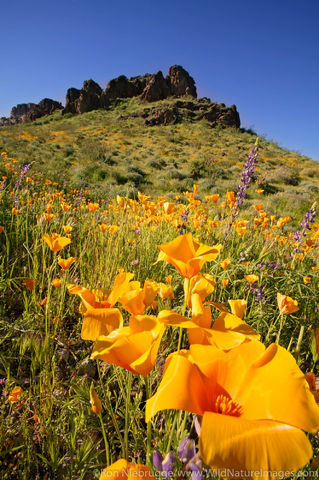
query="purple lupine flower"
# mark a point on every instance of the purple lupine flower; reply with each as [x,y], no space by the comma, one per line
[79,199]
[183,225]
[188,454]
[246,177]
[165,465]
[23,171]
[186,449]
[305,224]
[258,291]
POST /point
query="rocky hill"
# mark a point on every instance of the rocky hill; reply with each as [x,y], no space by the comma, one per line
[149,88]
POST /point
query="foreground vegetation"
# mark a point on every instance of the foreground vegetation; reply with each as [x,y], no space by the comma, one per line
[70,407]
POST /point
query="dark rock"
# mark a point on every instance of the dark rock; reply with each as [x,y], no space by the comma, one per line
[91,87]
[26,112]
[156,88]
[72,94]
[122,87]
[84,100]
[45,107]
[20,113]
[163,116]
[180,82]
[218,113]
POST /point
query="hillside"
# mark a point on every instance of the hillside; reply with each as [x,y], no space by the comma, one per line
[114,151]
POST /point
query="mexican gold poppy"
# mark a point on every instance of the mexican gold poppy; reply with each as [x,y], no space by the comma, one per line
[56,282]
[134,347]
[99,318]
[123,470]
[251,279]
[254,404]
[30,283]
[227,332]
[65,263]
[286,304]
[96,405]
[225,263]
[136,299]
[187,255]
[200,286]
[15,394]
[55,241]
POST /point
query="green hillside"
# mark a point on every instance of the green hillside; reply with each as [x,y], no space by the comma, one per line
[113,151]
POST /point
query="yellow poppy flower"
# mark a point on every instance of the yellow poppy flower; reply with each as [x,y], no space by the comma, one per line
[65,263]
[251,279]
[15,394]
[30,283]
[96,405]
[55,242]
[187,255]
[225,263]
[123,470]
[134,347]
[286,304]
[254,405]
[306,280]
[56,282]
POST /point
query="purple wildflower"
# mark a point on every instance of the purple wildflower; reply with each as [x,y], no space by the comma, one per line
[134,262]
[305,224]
[246,177]
[23,171]
[183,225]
[259,292]
[165,465]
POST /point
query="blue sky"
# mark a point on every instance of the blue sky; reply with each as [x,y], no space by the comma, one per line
[261,55]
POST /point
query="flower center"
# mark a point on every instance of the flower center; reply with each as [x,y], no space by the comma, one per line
[227,406]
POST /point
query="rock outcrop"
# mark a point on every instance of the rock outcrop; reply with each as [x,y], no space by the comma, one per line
[27,112]
[180,82]
[149,88]
[84,100]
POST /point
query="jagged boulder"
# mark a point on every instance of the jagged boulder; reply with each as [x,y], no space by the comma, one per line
[89,98]
[123,87]
[218,113]
[163,116]
[44,107]
[180,82]
[72,94]
[20,113]
[26,112]
[84,100]
[156,88]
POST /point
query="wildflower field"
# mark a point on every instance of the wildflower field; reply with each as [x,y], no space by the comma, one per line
[175,336]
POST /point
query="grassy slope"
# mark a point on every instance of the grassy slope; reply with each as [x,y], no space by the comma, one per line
[115,155]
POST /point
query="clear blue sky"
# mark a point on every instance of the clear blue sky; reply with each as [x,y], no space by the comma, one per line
[261,55]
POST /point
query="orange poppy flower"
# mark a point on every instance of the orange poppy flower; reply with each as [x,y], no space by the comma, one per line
[134,347]
[96,405]
[65,263]
[251,279]
[67,229]
[1,228]
[15,394]
[30,283]
[123,470]
[225,263]
[254,404]
[187,255]
[286,304]
[55,241]
[56,282]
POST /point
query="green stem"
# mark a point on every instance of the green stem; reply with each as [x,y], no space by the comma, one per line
[107,448]
[109,407]
[127,406]
[170,439]
[149,424]
[186,294]
[297,351]
[282,322]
